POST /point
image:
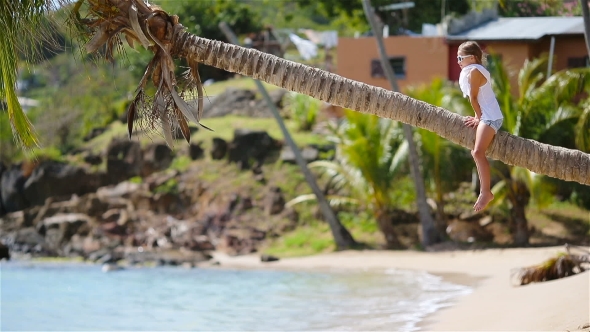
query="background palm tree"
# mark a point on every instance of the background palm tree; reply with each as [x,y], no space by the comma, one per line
[430,234]
[546,109]
[369,162]
[140,24]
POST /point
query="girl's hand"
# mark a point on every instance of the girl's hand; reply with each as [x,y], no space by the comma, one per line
[471,121]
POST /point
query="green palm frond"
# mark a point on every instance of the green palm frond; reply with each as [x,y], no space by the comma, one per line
[304,109]
[564,112]
[567,84]
[334,200]
[562,87]
[523,175]
[542,193]
[342,175]
[22,26]
[502,89]
[369,157]
[530,75]
[20,124]
[500,191]
[399,158]
[582,129]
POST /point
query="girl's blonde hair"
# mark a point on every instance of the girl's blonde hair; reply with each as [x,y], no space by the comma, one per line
[473,48]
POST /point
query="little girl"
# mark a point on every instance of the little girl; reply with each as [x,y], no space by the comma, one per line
[475,83]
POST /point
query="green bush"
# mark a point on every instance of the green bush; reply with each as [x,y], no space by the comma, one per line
[303,109]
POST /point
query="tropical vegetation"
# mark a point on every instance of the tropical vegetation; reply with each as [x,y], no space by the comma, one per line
[367,171]
[553,110]
[369,163]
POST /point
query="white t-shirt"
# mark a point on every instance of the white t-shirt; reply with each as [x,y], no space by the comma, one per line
[490,109]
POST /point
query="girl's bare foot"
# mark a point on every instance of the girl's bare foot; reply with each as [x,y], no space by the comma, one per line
[483,200]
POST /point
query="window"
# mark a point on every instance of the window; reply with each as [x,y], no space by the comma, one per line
[578,62]
[398,64]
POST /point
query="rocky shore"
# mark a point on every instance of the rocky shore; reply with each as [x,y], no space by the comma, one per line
[141,210]
[169,217]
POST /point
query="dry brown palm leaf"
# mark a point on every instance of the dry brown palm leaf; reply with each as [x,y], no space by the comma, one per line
[183,125]
[563,265]
[153,28]
[194,83]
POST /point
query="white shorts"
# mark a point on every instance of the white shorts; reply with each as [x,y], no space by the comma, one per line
[495,124]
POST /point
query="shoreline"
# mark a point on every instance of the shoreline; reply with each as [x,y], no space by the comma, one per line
[494,304]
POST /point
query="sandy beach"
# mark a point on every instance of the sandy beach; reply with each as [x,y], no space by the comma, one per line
[494,305]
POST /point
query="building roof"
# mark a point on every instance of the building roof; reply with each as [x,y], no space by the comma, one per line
[522,28]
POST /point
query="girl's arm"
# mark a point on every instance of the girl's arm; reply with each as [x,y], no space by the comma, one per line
[476,80]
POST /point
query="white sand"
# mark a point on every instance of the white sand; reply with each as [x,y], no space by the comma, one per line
[495,304]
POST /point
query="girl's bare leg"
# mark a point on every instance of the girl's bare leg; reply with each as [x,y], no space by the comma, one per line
[483,138]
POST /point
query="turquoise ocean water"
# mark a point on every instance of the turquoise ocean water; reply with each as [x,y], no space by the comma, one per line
[80,297]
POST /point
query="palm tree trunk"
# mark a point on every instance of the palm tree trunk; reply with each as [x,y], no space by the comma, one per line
[519,198]
[586,16]
[565,164]
[429,232]
[386,227]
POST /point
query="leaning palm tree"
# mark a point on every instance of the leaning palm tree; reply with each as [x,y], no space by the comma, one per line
[110,21]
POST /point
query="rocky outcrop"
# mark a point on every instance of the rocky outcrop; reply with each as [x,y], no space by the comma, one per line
[195,151]
[48,179]
[250,145]
[169,218]
[219,149]
[12,186]
[123,160]
[155,157]
[2,170]
[4,252]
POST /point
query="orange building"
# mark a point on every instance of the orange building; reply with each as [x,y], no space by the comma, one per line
[418,59]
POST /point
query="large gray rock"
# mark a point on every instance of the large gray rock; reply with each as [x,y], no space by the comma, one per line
[59,229]
[4,252]
[308,153]
[156,157]
[2,170]
[219,149]
[251,145]
[124,160]
[54,179]
[25,239]
[12,186]
[195,151]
